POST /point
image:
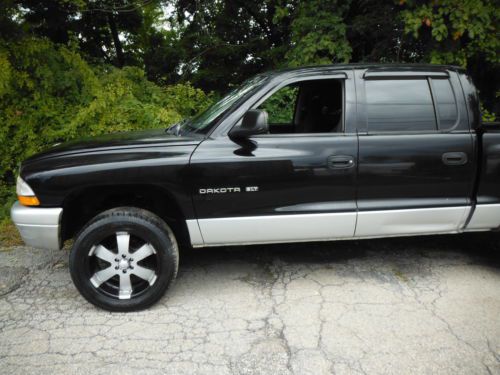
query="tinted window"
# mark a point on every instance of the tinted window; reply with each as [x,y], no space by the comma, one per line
[305,107]
[281,105]
[445,103]
[204,121]
[399,105]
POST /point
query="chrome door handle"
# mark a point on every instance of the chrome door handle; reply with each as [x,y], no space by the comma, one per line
[340,162]
[454,158]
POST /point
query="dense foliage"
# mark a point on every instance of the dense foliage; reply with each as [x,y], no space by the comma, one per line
[49,94]
[70,68]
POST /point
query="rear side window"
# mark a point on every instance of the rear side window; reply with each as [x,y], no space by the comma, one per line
[399,105]
[446,106]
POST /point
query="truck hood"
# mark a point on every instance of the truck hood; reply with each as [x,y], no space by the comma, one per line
[157,137]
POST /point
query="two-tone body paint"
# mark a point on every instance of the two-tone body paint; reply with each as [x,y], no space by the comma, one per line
[297,193]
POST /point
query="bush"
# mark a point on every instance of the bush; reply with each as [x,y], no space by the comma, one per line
[50,94]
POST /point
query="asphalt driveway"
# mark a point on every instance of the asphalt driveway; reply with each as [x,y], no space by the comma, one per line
[427,305]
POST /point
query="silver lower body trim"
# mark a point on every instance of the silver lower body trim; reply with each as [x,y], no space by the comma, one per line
[411,221]
[326,227]
[195,233]
[39,227]
[485,216]
[273,229]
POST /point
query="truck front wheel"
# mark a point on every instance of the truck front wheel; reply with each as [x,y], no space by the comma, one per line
[124,259]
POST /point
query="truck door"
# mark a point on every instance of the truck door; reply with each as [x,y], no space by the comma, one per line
[416,159]
[295,183]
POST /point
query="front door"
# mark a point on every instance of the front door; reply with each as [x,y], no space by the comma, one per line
[296,184]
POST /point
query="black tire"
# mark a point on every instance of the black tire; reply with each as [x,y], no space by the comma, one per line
[120,233]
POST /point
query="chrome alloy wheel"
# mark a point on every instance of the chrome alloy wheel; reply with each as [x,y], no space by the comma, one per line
[122,266]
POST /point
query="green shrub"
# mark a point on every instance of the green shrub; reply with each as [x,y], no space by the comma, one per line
[50,94]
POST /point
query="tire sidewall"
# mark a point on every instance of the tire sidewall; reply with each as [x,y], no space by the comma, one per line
[148,227]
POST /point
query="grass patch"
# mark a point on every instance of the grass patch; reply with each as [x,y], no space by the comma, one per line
[9,236]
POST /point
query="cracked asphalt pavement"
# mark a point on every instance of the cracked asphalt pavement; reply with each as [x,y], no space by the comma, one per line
[423,305]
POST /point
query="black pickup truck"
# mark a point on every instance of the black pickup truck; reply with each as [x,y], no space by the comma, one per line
[310,154]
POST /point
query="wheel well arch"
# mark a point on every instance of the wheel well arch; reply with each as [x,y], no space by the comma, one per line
[82,205]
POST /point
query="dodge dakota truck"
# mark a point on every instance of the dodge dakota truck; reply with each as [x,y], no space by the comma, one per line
[309,154]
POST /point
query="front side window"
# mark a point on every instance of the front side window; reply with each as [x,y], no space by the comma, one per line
[281,105]
[203,122]
[303,107]
[399,105]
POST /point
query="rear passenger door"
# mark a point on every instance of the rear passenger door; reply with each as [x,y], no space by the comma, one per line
[416,159]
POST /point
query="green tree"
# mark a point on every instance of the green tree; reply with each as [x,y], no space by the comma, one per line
[319,33]
[227,41]
[110,31]
[457,30]
[462,32]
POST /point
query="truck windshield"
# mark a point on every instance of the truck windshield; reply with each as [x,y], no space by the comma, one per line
[205,120]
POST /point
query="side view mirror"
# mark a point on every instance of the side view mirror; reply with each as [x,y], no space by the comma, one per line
[254,122]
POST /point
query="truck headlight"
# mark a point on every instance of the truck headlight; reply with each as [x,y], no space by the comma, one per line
[25,194]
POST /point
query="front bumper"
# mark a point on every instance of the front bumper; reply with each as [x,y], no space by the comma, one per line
[39,227]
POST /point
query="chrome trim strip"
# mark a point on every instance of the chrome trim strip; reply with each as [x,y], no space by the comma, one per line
[485,216]
[277,228]
[39,227]
[411,221]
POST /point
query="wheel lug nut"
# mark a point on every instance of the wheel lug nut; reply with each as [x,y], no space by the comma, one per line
[124,271]
[116,267]
[117,260]
[131,259]
[124,256]
[131,267]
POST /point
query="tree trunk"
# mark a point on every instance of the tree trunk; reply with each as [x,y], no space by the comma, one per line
[120,61]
